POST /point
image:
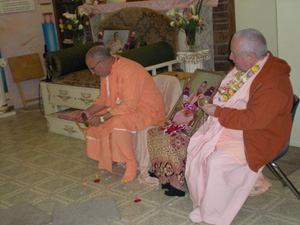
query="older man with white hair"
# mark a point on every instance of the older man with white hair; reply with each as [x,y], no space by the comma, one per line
[249,124]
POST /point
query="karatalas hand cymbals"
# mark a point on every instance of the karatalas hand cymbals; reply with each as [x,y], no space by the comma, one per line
[202,101]
[85,119]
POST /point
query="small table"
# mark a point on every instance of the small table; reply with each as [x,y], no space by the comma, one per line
[183,77]
[193,59]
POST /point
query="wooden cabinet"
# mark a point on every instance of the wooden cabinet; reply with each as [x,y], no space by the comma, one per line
[59,8]
[59,99]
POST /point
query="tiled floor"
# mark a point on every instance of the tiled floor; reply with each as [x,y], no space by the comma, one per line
[50,171]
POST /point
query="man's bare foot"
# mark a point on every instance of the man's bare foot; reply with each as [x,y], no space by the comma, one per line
[130,172]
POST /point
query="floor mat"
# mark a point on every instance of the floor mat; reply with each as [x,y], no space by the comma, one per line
[87,213]
[24,214]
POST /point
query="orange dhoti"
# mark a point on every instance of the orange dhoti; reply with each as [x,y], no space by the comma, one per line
[112,141]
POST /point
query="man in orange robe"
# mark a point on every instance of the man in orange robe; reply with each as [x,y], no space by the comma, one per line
[129,101]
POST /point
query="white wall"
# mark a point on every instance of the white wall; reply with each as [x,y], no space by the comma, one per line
[278,20]
[288,19]
[261,15]
[21,34]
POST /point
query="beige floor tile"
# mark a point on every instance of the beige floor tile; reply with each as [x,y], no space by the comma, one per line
[51,171]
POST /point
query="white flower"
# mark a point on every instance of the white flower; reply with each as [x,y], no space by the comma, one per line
[185,98]
[82,12]
[192,9]
[80,27]
[195,17]
[180,14]
[70,16]
[172,24]
[244,79]
[171,13]
[118,101]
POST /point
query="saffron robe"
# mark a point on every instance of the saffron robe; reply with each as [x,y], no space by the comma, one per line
[135,102]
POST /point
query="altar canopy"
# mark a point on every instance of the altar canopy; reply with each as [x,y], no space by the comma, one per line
[159,5]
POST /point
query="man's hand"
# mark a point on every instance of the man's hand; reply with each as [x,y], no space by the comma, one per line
[209,109]
[94,120]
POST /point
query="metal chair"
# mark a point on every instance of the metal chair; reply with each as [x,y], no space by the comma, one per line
[275,168]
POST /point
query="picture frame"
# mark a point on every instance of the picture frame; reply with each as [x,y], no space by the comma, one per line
[198,78]
[124,34]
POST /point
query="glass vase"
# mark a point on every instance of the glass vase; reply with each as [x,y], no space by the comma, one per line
[191,39]
[78,39]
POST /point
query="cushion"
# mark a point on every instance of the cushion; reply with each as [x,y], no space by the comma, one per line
[67,60]
[137,44]
[83,78]
[150,54]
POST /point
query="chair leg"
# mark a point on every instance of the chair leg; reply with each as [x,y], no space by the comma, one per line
[283,178]
[273,170]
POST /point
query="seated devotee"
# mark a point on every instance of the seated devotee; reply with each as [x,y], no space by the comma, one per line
[129,101]
[249,125]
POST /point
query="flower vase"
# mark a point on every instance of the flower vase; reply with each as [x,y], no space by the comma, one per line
[78,39]
[191,39]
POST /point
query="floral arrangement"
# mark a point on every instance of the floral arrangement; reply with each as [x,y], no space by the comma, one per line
[75,22]
[188,19]
[236,83]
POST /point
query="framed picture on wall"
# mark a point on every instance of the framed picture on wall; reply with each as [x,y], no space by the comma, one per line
[186,112]
[116,38]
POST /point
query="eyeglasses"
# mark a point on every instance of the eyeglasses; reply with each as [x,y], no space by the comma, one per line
[93,68]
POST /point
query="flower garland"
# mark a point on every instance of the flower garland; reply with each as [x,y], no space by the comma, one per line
[126,46]
[236,83]
[174,129]
[188,108]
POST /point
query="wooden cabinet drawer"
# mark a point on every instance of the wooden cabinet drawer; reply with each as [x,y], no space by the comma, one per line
[72,96]
[64,127]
